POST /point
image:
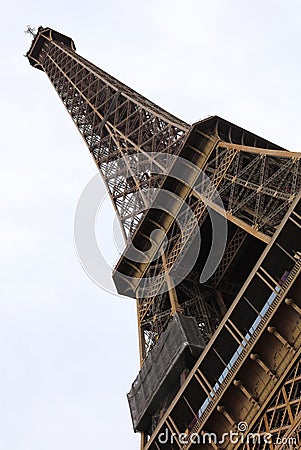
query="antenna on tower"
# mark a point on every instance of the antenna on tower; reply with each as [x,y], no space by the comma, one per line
[30,30]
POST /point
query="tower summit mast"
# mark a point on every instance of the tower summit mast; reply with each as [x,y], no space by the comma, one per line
[219,326]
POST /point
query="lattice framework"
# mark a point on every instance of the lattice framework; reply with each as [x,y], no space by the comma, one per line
[132,142]
[115,122]
[257,186]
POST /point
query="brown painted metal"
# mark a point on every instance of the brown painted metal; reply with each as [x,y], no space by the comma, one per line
[267,363]
[114,121]
[258,183]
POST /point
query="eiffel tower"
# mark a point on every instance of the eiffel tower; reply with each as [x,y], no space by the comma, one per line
[211,214]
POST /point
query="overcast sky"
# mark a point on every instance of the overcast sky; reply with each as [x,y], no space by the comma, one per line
[68,350]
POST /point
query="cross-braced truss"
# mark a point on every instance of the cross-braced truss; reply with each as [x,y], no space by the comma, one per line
[117,124]
[256,187]
[133,143]
[282,418]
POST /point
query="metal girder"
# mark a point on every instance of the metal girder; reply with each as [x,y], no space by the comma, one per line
[258,187]
[260,151]
[230,252]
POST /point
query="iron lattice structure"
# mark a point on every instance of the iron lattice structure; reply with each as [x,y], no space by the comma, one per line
[114,121]
[133,143]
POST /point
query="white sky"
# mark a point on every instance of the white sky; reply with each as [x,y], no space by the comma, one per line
[68,350]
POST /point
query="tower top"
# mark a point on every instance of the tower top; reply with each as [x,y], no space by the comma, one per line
[46,34]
